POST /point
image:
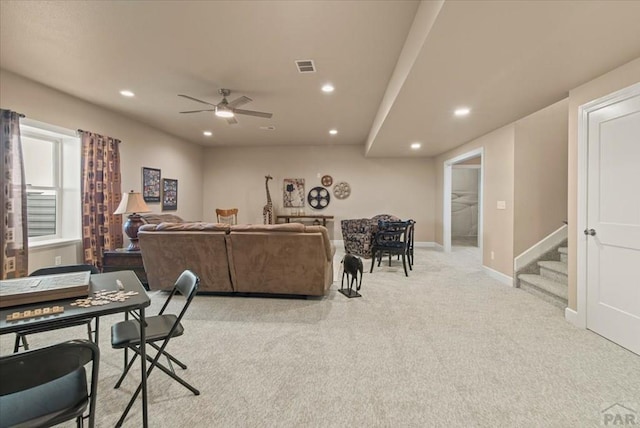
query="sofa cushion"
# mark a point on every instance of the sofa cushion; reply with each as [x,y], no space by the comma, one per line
[198,226]
[280,227]
[152,218]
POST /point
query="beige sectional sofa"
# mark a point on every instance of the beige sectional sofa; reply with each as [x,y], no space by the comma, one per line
[277,259]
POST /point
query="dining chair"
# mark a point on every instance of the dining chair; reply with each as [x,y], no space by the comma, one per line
[391,238]
[229,216]
[47,386]
[21,336]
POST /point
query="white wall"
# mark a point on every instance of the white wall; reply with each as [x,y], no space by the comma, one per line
[141,146]
[234,178]
[540,165]
[497,227]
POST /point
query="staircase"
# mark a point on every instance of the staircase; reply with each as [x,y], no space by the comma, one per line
[547,277]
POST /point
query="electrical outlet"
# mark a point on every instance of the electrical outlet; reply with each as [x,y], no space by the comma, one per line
[493,255]
[58,260]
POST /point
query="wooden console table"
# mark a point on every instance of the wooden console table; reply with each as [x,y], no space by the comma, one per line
[287,218]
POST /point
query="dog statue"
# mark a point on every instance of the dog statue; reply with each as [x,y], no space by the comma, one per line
[352,266]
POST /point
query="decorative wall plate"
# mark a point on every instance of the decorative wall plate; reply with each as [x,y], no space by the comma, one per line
[318,198]
[326,180]
[342,190]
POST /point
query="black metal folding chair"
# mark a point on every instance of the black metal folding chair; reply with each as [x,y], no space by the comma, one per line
[21,336]
[47,386]
[159,328]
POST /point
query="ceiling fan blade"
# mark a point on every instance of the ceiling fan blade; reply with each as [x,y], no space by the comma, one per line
[197,111]
[239,101]
[232,120]
[253,113]
[195,99]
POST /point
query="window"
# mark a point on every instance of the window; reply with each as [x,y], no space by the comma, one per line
[52,172]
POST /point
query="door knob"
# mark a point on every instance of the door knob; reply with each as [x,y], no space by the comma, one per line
[591,232]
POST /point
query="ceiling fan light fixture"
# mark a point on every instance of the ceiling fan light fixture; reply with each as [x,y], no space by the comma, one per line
[225,112]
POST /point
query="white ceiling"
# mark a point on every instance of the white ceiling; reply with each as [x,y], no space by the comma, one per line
[503,59]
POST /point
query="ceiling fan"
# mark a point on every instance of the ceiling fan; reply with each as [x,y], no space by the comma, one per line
[226,109]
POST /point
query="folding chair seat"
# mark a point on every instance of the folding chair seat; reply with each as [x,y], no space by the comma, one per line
[21,336]
[159,328]
[47,386]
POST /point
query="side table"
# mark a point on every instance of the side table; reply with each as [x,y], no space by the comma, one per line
[122,259]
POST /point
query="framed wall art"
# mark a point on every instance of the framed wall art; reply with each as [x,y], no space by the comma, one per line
[293,192]
[169,194]
[150,184]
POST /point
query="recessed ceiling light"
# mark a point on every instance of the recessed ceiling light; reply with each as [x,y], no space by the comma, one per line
[127,93]
[416,146]
[333,132]
[207,133]
[328,88]
[462,111]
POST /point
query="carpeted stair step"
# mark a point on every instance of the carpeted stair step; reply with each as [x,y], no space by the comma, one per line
[553,270]
[552,291]
[563,254]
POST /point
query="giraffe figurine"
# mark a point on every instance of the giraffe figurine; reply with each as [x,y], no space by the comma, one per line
[267,210]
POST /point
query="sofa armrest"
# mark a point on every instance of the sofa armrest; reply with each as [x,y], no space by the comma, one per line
[329,248]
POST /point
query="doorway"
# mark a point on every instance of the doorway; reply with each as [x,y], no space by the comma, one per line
[468,161]
[608,248]
[465,187]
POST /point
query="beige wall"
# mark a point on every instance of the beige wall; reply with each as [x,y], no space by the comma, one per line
[540,165]
[141,146]
[234,177]
[497,164]
[612,81]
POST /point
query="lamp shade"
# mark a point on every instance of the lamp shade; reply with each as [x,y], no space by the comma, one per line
[132,202]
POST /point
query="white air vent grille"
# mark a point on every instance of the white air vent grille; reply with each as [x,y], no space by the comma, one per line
[306,66]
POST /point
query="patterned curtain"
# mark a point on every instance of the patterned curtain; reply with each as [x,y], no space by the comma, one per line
[14,237]
[101,194]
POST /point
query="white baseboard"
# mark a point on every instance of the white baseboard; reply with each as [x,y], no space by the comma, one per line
[502,278]
[546,244]
[571,316]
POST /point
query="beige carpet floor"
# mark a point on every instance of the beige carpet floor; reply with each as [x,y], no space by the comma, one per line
[446,347]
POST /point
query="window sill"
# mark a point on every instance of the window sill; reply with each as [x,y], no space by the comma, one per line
[51,243]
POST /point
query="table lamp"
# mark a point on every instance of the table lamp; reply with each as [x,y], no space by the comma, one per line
[132,203]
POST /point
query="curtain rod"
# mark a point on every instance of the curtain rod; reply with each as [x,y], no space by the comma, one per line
[119,141]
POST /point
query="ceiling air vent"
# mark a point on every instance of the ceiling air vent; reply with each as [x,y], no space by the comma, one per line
[306,66]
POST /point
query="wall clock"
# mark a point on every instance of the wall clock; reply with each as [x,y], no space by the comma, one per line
[326,180]
[318,198]
[342,190]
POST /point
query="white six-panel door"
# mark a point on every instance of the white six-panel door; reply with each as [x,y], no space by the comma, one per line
[613,223]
